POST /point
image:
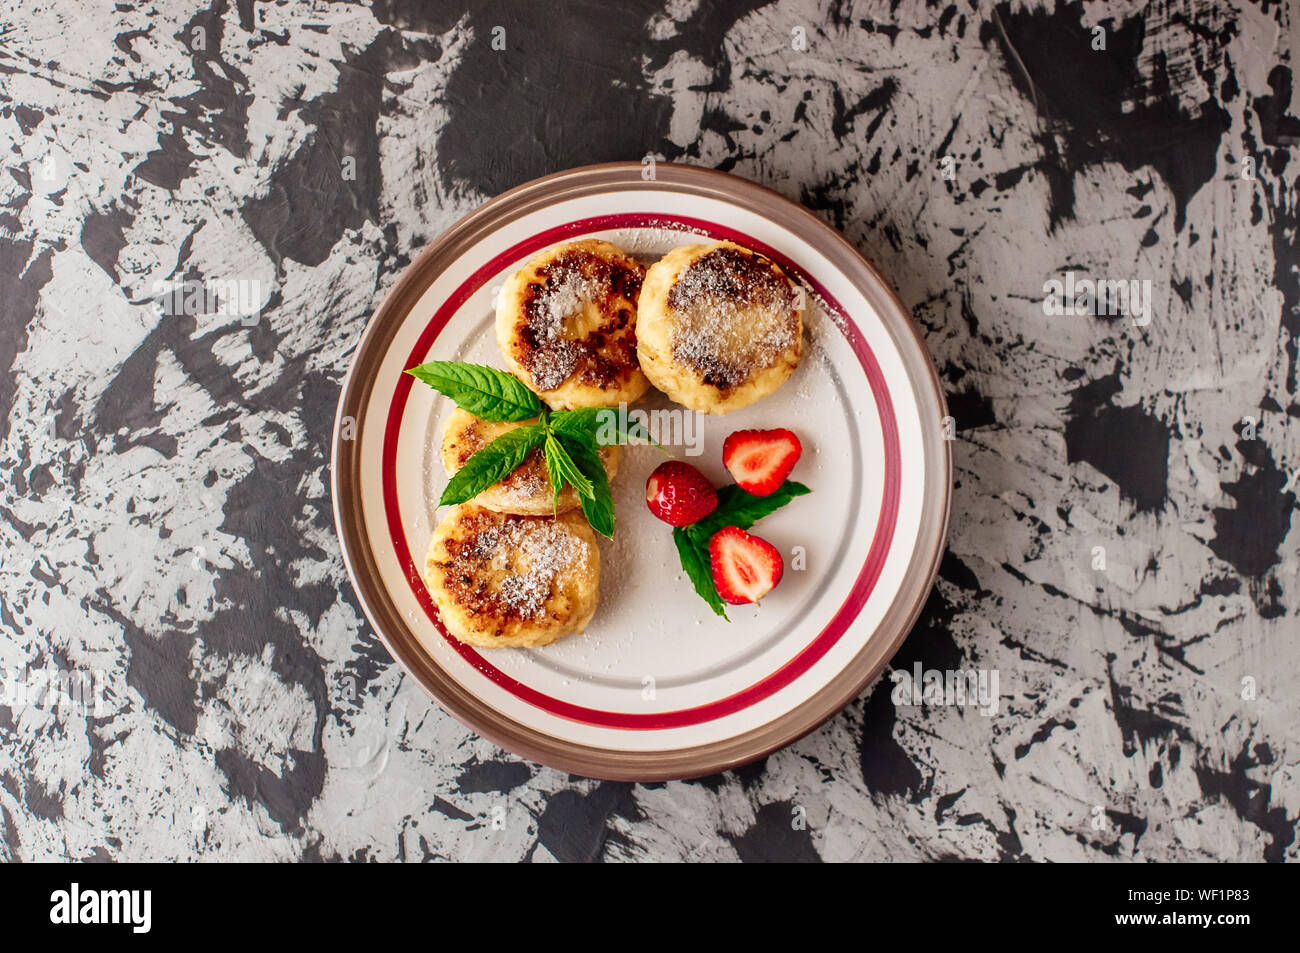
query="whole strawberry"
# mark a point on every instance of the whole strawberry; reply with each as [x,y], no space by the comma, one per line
[679,494]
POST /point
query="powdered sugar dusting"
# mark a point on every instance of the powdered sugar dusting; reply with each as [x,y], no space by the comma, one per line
[562,300]
[565,299]
[736,315]
[534,552]
[579,312]
[528,482]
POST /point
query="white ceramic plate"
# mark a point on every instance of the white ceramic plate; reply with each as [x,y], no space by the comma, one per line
[658,686]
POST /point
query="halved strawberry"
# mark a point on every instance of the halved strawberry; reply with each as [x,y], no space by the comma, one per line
[760,460]
[745,568]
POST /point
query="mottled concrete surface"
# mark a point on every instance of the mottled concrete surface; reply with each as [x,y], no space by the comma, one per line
[1123,550]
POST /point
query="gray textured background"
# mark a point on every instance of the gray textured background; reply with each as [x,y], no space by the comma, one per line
[164,513]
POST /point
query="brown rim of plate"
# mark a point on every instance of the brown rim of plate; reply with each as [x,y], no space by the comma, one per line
[697,760]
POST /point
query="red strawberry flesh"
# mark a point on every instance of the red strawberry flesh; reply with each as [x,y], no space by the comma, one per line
[745,568]
[760,460]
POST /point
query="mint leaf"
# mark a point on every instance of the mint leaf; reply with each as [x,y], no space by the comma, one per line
[696,563]
[603,426]
[554,474]
[560,465]
[492,464]
[599,507]
[634,430]
[573,437]
[738,508]
[575,422]
[485,392]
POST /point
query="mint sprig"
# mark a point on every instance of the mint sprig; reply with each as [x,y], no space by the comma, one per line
[570,439]
[738,508]
[485,392]
[735,508]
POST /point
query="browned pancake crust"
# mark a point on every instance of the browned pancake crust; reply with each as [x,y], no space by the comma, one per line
[468,554]
[729,277]
[508,580]
[603,356]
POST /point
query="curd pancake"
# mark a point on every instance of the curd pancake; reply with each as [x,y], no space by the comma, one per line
[526,491]
[718,326]
[566,323]
[502,580]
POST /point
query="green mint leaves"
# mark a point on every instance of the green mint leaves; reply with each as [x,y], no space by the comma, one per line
[738,508]
[598,507]
[605,424]
[570,439]
[735,508]
[561,468]
[492,464]
[483,391]
[693,550]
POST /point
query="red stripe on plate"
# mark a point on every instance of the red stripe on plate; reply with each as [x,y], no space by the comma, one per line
[791,670]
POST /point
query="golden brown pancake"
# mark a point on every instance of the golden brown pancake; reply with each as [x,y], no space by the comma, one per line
[718,326]
[566,324]
[502,580]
